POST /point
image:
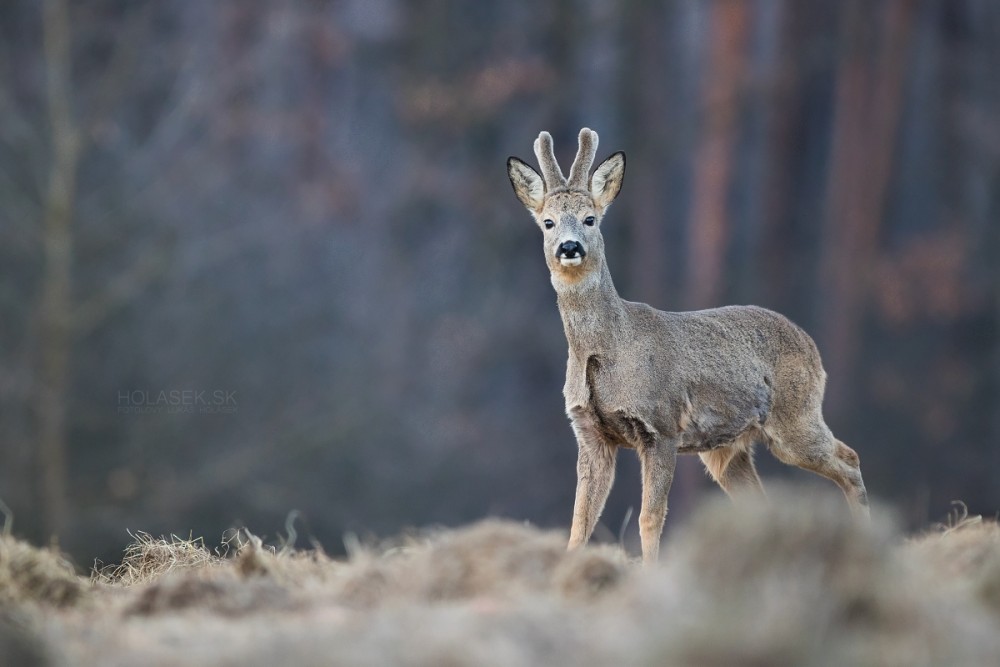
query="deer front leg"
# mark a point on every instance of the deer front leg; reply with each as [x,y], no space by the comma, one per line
[658,458]
[595,472]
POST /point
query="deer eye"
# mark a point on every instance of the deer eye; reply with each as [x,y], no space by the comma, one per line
[549,224]
[589,221]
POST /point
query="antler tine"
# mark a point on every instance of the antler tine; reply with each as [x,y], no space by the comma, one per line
[547,161]
[580,171]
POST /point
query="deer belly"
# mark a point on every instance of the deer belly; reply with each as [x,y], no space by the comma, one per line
[703,428]
[623,429]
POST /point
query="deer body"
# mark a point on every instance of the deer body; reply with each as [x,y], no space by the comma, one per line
[711,382]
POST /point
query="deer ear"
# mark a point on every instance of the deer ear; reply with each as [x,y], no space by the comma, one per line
[528,185]
[606,182]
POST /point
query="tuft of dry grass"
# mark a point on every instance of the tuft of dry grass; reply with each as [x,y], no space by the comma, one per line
[963,553]
[215,592]
[32,575]
[796,580]
[149,558]
[491,559]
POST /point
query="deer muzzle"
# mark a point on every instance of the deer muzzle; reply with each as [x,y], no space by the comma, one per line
[570,253]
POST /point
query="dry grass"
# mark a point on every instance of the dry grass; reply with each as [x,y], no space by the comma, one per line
[19,646]
[797,582]
[964,554]
[148,558]
[491,559]
[32,575]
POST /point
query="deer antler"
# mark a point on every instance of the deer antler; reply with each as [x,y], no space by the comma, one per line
[551,172]
[580,171]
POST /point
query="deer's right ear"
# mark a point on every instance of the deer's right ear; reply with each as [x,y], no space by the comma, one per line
[528,184]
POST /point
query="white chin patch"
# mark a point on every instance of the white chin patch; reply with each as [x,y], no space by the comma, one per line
[570,261]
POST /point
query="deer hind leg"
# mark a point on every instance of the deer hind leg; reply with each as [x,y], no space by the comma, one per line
[658,459]
[812,447]
[595,473]
[732,467]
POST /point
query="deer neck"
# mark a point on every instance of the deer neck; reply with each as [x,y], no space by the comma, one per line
[593,314]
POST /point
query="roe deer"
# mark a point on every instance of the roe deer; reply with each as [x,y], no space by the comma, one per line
[711,382]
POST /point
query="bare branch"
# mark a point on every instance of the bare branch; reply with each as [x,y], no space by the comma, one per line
[123,290]
[111,88]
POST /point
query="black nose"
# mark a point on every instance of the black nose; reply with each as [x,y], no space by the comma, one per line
[570,249]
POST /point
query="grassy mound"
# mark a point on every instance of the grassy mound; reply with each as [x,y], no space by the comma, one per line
[963,555]
[32,575]
[793,582]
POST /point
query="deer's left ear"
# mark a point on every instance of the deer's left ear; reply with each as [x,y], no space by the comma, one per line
[606,182]
[528,185]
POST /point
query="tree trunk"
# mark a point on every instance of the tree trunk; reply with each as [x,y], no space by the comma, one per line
[773,265]
[729,22]
[55,309]
[864,139]
[645,114]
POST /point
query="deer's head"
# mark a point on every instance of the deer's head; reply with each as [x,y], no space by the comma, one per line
[569,210]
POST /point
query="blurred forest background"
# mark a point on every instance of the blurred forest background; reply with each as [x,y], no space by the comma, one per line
[302,206]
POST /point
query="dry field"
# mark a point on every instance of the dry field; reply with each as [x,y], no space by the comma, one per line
[793,583]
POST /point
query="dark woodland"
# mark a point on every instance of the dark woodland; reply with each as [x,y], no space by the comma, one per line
[258,257]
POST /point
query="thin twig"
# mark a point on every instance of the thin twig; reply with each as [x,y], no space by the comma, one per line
[621,531]
[8,518]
